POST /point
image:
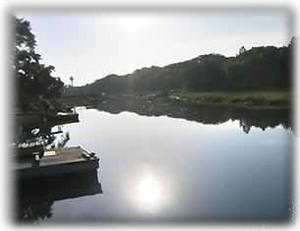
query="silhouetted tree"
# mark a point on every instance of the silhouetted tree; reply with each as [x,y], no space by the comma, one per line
[33,79]
[72,79]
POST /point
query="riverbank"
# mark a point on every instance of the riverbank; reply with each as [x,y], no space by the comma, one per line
[174,105]
[253,99]
[250,100]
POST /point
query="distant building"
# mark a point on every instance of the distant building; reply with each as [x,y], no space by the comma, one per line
[242,50]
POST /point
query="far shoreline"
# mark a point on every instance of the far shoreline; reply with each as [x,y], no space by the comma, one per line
[242,99]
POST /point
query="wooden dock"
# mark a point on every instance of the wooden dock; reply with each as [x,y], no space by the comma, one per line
[57,162]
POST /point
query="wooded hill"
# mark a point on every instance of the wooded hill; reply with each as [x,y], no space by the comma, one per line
[260,68]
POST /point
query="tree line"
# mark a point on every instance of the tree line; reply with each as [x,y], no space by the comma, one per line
[259,68]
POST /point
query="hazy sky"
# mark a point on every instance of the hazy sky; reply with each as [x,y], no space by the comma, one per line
[91,46]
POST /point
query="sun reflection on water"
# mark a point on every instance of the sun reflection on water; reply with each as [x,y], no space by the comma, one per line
[151,192]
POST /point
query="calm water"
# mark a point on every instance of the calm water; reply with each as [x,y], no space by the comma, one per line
[171,169]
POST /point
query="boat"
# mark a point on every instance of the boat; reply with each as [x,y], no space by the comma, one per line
[33,120]
[62,118]
[40,153]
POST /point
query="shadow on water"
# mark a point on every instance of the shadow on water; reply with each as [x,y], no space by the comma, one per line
[35,197]
[248,117]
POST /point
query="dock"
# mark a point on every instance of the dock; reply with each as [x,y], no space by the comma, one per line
[57,162]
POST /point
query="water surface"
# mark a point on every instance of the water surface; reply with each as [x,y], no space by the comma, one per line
[158,168]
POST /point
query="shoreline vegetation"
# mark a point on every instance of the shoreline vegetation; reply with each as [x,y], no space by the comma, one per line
[248,99]
[258,109]
[256,78]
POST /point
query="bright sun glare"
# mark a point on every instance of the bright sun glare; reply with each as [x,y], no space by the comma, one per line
[150,193]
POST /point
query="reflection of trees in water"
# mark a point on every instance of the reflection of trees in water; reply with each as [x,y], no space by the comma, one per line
[35,212]
[248,118]
[35,197]
[267,118]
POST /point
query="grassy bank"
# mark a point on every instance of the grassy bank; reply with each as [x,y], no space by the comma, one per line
[239,99]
